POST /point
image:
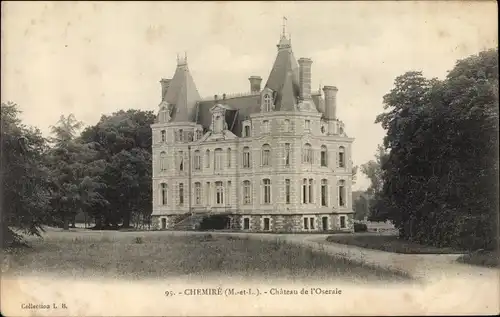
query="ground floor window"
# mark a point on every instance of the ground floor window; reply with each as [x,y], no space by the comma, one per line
[246,223]
[164,223]
[309,223]
[324,222]
[342,222]
[267,224]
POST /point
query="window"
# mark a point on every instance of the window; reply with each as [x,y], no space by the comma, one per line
[286,125]
[324,192]
[247,193]
[304,191]
[267,191]
[163,135]
[199,134]
[207,159]
[287,154]
[311,195]
[324,157]
[181,135]
[228,193]
[322,129]
[228,157]
[164,194]
[181,160]
[342,222]
[306,223]
[247,131]
[342,198]
[219,193]
[307,125]
[246,157]
[163,161]
[246,223]
[287,191]
[341,156]
[218,159]
[265,126]
[189,136]
[181,194]
[207,193]
[311,223]
[267,102]
[267,224]
[307,154]
[266,155]
[164,223]
[197,160]
[197,193]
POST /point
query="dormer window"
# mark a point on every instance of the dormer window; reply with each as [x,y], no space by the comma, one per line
[268,102]
[163,135]
[246,131]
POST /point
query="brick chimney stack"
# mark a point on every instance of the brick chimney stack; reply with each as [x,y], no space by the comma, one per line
[331,107]
[255,83]
[164,86]
[305,78]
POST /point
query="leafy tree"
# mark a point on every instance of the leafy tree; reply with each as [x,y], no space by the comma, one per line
[373,170]
[24,178]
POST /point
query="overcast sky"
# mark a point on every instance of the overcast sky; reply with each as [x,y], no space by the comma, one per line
[95,58]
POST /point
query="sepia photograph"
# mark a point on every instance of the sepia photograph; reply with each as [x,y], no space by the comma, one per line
[261,158]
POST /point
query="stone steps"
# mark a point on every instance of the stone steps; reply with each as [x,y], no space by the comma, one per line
[190,222]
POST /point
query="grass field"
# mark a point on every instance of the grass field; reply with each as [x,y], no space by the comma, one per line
[134,255]
[389,243]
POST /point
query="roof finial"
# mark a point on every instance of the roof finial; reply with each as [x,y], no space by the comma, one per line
[284,27]
[178,59]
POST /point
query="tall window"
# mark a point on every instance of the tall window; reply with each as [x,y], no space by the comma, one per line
[181,194]
[324,157]
[307,154]
[287,191]
[311,223]
[265,126]
[181,135]
[304,191]
[207,193]
[306,223]
[228,157]
[246,157]
[324,192]
[267,224]
[219,193]
[199,134]
[207,159]
[307,125]
[311,193]
[342,222]
[287,154]
[197,160]
[197,193]
[286,125]
[247,192]
[247,131]
[181,160]
[267,191]
[163,135]
[218,159]
[267,102]
[341,156]
[164,194]
[163,161]
[246,223]
[266,155]
[342,194]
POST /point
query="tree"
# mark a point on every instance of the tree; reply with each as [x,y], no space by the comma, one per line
[24,178]
[443,155]
[373,170]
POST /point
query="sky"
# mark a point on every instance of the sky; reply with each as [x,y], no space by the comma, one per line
[94,58]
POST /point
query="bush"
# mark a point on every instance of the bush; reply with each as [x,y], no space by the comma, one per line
[481,258]
[360,227]
[138,240]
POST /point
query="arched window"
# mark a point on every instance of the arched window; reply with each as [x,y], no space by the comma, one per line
[219,193]
[267,102]
[311,191]
[247,132]
[287,154]
[207,159]
[164,194]
[324,156]
[228,157]
[267,191]
[247,192]
[266,155]
[197,160]
[246,157]
[324,192]
[307,154]
[181,160]
[163,135]
[341,156]
[163,161]
[287,191]
[181,135]
[218,159]
[199,134]
[181,194]
[342,194]
[304,191]
[286,125]
[197,193]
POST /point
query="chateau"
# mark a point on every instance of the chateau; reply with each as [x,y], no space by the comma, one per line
[274,159]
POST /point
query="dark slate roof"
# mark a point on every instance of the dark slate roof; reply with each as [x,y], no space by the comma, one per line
[242,107]
[183,95]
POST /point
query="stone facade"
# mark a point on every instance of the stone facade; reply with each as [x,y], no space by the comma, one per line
[277,160]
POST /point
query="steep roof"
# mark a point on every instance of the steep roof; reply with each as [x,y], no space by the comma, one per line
[182,94]
[284,77]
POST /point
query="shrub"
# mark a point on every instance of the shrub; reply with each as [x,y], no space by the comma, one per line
[360,227]
[138,240]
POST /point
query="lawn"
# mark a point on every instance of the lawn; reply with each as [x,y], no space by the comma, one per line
[481,258]
[389,243]
[134,255]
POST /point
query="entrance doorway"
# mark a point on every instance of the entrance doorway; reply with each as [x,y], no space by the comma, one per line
[324,220]
[215,222]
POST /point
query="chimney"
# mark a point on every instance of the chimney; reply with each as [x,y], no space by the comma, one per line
[255,83]
[305,78]
[164,86]
[331,108]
